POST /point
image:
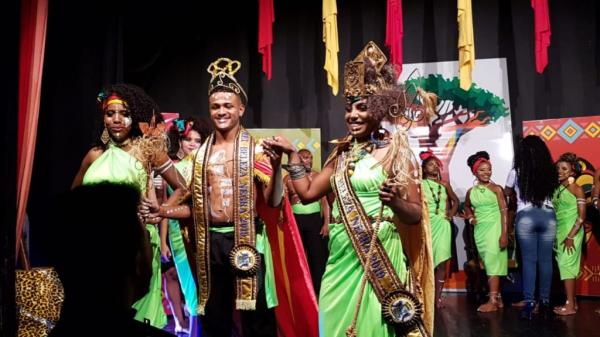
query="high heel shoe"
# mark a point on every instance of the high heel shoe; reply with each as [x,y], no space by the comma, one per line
[527,311]
[545,310]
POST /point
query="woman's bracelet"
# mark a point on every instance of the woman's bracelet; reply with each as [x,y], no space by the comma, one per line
[581,201]
[570,237]
[164,167]
[297,171]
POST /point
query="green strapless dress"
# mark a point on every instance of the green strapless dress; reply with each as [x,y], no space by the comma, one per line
[118,166]
[343,273]
[441,231]
[488,231]
[565,205]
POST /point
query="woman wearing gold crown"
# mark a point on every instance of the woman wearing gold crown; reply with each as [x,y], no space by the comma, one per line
[386,283]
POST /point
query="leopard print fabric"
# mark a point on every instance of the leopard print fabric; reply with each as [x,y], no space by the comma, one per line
[39,298]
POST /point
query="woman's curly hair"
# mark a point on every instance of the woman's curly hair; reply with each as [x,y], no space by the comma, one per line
[379,103]
[571,158]
[474,157]
[140,105]
[198,124]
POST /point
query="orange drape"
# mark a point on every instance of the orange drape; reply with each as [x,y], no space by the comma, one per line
[34,15]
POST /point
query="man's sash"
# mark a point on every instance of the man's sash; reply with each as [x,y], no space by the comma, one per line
[244,257]
[399,305]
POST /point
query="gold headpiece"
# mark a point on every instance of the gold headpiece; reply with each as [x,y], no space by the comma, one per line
[354,72]
[222,71]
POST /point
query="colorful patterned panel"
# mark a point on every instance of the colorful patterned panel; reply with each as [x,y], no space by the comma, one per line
[547,132]
[592,130]
[301,138]
[570,131]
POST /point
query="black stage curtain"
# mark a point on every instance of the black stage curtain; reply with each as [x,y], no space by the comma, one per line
[165,47]
[9,73]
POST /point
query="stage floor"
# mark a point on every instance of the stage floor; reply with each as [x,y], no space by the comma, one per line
[460,318]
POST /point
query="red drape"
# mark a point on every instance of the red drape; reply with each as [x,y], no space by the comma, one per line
[297,313]
[541,15]
[266,17]
[394,33]
[34,14]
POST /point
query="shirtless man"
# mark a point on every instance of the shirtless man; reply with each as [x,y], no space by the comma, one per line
[232,176]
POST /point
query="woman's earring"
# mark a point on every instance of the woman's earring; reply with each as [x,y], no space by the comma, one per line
[105,137]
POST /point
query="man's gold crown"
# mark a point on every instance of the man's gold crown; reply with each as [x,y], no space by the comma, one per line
[222,73]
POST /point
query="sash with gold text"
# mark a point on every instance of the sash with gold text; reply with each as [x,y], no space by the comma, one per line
[245,232]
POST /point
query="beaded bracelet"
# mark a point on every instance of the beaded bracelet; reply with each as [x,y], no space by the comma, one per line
[297,171]
[165,166]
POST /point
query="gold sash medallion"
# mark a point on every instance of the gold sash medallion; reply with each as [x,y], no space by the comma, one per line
[245,259]
[402,308]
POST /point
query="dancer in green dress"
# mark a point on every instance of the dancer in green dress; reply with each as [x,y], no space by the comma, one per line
[443,204]
[569,203]
[485,208]
[126,155]
[375,178]
[186,136]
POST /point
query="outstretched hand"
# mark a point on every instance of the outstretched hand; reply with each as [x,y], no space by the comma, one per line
[278,144]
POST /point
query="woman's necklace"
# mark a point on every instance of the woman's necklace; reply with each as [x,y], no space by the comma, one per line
[436,197]
[561,188]
[482,187]
[357,152]
[121,144]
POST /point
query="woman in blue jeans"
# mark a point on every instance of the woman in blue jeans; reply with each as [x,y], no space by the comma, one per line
[530,185]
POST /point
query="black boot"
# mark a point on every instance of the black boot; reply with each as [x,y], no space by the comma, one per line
[527,312]
[545,310]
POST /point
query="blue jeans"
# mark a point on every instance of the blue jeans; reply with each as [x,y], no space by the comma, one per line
[536,232]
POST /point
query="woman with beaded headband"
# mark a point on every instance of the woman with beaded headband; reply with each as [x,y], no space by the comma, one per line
[185,136]
[130,152]
[378,214]
[569,204]
[485,208]
[443,204]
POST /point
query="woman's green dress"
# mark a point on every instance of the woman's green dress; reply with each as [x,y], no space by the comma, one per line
[488,231]
[343,273]
[441,231]
[565,205]
[118,166]
[178,252]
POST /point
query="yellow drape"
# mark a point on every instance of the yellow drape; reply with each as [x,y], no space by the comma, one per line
[466,43]
[330,37]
